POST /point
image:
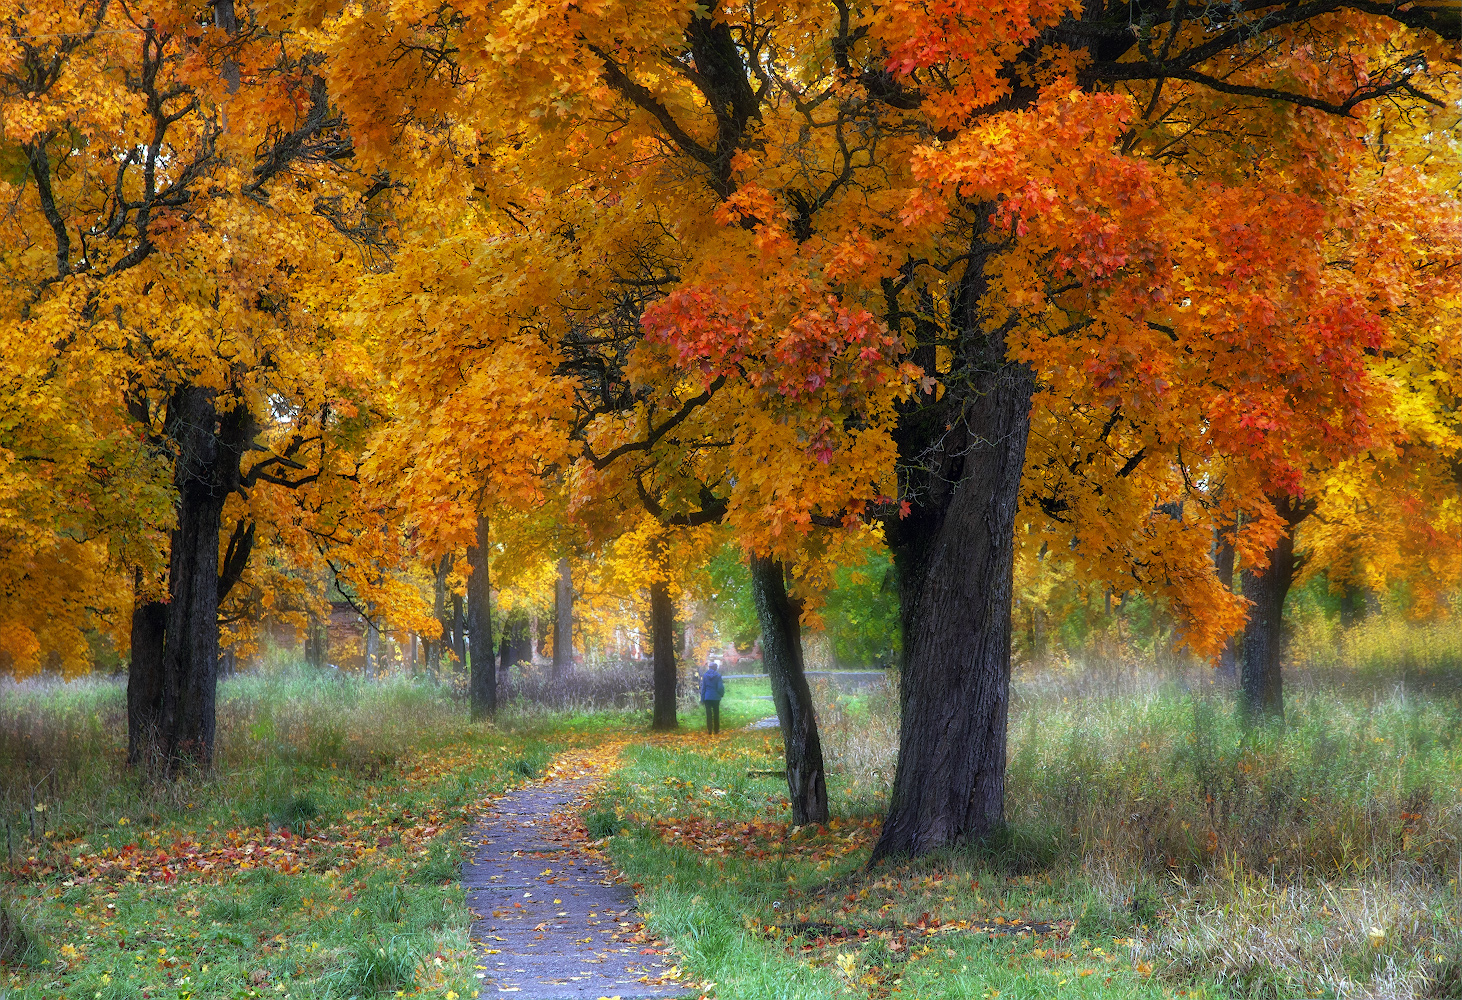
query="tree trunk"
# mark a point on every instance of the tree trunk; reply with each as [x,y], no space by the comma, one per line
[482,682]
[955,553]
[1261,686]
[1223,564]
[781,630]
[662,636]
[210,446]
[317,642]
[522,639]
[459,631]
[144,682]
[439,611]
[372,647]
[1352,604]
[563,620]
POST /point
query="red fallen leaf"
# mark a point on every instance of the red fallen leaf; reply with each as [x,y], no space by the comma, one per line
[651,951]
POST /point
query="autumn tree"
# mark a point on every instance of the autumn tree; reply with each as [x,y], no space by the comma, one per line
[185,218]
[857,260]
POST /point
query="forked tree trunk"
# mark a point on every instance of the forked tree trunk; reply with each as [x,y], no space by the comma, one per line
[662,636]
[210,446]
[781,631]
[1261,684]
[563,620]
[482,683]
[955,554]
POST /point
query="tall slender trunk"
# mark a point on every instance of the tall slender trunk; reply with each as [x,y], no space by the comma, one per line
[955,555]
[459,631]
[662,636]
[1261,685]
[1223,565]
[1352,603]
[563,620]
[372,647]
[781,630]
[439,611]
[482,682]
[317,641]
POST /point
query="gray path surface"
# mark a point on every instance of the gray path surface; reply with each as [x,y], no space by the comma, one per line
[553,922]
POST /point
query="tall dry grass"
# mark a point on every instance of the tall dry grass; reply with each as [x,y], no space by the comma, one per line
[63,745]
[1320,858]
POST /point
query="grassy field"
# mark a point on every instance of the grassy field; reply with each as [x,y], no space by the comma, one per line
[320,860]
[1155,849]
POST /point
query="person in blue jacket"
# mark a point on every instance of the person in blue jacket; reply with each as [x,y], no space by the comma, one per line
[713,688]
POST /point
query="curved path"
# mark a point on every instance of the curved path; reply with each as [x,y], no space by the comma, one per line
[552,920]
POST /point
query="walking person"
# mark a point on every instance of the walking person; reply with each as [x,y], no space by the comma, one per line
[713,688]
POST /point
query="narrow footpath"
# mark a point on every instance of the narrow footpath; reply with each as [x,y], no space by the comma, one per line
[552,920]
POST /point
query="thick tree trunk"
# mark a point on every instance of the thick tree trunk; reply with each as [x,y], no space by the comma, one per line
[144,683]
[1223,564]
[955,551]
[210,446]
[563,620]
[781,630]
[662,635]
[1261,686]
[482,682]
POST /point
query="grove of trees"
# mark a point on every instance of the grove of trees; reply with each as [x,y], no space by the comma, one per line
[420,303]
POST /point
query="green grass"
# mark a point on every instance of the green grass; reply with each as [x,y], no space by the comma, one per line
[364,786]
[1155,848]
[1320,859]
[741,916]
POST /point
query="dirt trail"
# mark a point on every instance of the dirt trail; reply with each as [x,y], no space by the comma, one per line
[552,919]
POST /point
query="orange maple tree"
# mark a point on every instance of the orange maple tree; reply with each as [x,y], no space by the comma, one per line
[828,262]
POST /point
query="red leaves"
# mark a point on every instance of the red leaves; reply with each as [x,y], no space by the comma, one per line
[822,347]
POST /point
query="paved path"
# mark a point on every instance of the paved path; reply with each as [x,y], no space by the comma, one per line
[553,921]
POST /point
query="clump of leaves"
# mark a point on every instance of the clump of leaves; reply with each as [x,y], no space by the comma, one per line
[377,967]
